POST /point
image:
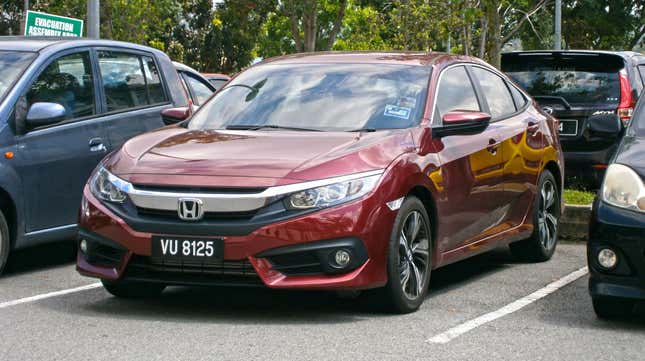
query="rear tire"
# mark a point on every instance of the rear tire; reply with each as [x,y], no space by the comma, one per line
[124,289]
[546,215]
[5,242]
[611,308]
[409,260]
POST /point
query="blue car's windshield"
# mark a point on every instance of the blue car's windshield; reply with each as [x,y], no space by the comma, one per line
[12,64]
[326,97]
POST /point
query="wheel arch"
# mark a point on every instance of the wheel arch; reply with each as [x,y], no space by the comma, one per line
[552,167]
[427,199]
[8,208]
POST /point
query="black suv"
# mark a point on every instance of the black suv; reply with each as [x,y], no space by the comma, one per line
[575,86]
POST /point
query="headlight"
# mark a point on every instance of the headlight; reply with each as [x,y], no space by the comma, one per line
[108,187]
[333,194]
[623,188]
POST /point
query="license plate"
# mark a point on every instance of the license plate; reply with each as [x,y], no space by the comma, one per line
[187,249]
[568,127]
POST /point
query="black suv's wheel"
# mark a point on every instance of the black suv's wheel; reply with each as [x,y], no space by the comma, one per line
[612,307]
[409,258]
[132,289]
[5,242]
[546,214]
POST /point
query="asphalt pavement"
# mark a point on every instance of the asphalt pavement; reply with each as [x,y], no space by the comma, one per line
[44,316]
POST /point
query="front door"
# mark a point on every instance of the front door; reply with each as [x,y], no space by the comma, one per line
[471,169]
[56,161]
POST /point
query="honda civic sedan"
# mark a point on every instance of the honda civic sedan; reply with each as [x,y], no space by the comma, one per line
[335,171]
[616,247]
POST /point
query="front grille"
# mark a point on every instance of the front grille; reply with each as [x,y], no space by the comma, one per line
[196,273]
[212,216]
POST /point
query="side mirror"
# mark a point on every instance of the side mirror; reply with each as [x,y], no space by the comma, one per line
[604,125]
[462,122]
[42,114]
[175,115]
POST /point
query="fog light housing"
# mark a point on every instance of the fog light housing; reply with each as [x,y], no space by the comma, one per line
[83,246]
[607,258]
[342,258]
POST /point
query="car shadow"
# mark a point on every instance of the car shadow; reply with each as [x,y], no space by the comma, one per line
[40,258]
[267,306]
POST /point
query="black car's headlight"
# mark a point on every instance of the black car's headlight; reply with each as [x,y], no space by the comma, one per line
[108,187]
[332,194]
[623,188]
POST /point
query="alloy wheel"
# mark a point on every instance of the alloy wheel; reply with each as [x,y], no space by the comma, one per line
[547,215]
[414,255]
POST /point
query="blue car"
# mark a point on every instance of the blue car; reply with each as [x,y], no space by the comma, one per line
[64,104]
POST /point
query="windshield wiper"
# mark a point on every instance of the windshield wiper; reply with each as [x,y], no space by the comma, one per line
[366,129]
[271,126]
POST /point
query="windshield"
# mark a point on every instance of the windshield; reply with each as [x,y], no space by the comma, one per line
[580,79]
[327,97]
[12,64]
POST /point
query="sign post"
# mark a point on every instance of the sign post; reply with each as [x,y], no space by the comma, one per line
[42,24]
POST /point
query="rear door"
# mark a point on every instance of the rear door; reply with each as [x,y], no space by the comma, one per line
[132,93]
[571,87]
[55,161]
[471,169]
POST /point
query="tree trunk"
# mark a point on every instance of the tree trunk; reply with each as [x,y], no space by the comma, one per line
[295,25]
[482,37]
[337,24]
[309,25]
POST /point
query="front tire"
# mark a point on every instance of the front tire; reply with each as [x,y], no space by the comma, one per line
[409,259]
[546,214]
[123,289]
[611,308]
[5,242]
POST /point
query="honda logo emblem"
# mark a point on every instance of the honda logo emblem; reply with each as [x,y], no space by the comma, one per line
[190,209]
[548,110]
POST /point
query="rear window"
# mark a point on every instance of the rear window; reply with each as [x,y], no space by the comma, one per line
[579,79]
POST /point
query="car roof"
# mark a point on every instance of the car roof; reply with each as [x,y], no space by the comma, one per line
[43,43]
[624,54]
[371,57]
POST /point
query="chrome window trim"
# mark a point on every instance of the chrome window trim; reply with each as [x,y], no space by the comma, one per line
[225,202]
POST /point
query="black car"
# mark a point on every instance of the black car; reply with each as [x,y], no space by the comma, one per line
[64,104]
[616,247]
[574,86]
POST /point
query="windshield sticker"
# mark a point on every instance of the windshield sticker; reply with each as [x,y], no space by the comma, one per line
[407,102]
[398,112]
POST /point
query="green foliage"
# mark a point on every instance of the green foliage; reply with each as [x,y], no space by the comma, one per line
[572,196]
[363,29]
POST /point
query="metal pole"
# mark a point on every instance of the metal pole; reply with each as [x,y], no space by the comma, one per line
[93,19]
[23,23]
[557,44]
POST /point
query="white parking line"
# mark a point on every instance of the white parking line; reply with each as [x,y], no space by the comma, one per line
[467,326]
[49,295]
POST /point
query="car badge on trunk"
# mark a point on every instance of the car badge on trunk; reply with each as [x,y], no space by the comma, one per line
[190,209]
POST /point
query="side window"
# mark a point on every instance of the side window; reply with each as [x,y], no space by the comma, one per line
[200,91]
[518,97]
[497,95]
[641,70]
[67,81]
[456,92]
[129,80]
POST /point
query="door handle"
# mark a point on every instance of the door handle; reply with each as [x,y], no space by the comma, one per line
[492,146]
[96,145]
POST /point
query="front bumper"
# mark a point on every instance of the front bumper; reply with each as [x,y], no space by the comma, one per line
[623,231]
[289,253]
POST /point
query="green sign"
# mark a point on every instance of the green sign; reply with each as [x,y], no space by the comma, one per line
[41,24]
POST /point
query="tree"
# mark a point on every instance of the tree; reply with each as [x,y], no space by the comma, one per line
[10,15]
[314,24]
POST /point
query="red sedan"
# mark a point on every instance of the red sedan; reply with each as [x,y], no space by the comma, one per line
[336,171]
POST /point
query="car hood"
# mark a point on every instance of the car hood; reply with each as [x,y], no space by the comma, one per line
[631,153]
[259,158]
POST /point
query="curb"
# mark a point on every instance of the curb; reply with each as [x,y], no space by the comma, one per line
[574,223]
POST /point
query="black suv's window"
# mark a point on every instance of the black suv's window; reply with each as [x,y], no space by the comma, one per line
[496,92]
[456,92]
[129,80]
[67,81]
[582,79]
[518,97]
